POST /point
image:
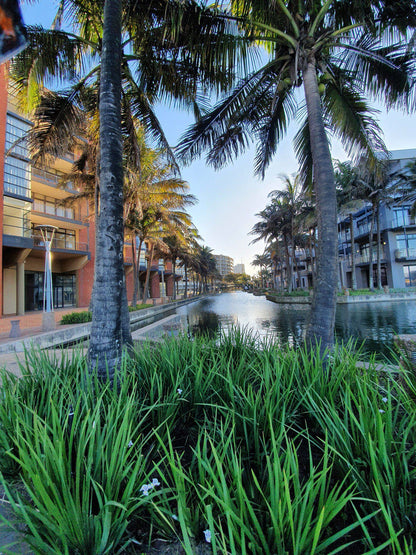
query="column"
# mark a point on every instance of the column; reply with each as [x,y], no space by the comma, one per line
[20,271]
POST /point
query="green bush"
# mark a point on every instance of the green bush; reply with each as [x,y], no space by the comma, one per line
[255,445]
[77,317]
[86,315]
[139,307]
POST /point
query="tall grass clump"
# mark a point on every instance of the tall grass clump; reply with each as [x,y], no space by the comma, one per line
[231,445]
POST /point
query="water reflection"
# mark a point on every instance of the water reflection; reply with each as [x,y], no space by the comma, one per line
[374,323]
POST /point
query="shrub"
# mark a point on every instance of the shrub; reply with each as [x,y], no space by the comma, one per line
[139,307]
[77,317]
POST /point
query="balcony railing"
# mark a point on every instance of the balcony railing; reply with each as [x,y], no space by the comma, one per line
[409,254]
[19,190]
[52,179]
[361,258]
[363,230]
[67,243]
[43,207]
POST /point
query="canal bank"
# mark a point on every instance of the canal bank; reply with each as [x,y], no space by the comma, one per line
[75,333]
[345,299]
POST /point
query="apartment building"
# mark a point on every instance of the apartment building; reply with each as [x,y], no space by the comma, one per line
[239,269]
[225,264]
[398,241]
[31,195]
[398,237]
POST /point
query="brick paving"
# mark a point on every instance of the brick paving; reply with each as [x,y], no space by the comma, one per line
[31,322]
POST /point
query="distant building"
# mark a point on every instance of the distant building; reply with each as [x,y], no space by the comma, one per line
[239,269]
[397,234]
[225,264]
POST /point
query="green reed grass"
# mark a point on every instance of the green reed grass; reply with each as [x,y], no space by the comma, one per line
[269,449]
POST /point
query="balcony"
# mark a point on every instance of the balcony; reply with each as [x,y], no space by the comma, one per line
[61,243]
[363,230]
[43,179]
[16,190]
[405,254]
[55,209]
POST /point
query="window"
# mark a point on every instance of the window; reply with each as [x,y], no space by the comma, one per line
[63,238]
[16,217]
[401,216]
[409,275]
[17,177]
[51,206]
[406,244]
[16,129]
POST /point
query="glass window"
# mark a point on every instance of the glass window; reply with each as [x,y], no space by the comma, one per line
[409,275]
[400,216]
[16,129]
[16,177]
[50,207]
[406,243]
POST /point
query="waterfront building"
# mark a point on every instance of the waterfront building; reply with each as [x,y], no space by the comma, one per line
[31,194]
[239,269]
[224,264]
[397,231]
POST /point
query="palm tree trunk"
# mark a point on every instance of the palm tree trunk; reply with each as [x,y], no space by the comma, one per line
[126,337]
[149,266]
[135,268]
[379,286]
[320,331]
[174,281]
[370,253]
[106,337]
[353,276]
[289,277]
[185,294]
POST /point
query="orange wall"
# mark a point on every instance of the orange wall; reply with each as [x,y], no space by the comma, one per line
[3,113]
[86,274]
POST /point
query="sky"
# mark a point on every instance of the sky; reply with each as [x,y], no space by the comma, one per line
[229,199]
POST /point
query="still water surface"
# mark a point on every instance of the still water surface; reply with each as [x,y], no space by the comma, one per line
[374,323]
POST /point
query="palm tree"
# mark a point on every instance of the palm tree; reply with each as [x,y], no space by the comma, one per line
[334,50]
[153,64]
[374,186]
[348,197]
[106,329]
[291,203]
[263,261]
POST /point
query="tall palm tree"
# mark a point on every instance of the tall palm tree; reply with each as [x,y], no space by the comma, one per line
[291,202]
[155,62]
[335,50]
[374,187]
[106,329]
[263,261]
[348,198]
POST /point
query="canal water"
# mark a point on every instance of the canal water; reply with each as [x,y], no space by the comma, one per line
[373,323]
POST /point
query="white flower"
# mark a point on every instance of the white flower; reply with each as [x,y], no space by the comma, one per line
[130,444]
[145,489]
[381,411]
[155,482]
[207,534]
[384,399]
[179,391]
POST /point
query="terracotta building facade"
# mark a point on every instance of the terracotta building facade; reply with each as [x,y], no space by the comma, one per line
[32,196]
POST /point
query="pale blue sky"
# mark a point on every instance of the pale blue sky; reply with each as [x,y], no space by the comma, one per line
[230,198]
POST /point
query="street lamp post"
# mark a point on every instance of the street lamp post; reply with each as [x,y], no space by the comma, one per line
[48,317]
